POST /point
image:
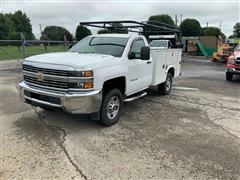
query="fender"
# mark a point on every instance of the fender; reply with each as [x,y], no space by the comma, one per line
[168,67]
[107,73]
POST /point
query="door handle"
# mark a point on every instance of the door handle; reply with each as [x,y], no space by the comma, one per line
[149,62]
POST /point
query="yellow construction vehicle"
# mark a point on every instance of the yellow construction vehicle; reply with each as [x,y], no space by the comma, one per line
[223,52]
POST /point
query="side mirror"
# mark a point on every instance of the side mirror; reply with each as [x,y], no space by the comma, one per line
[131,55]
[145,53]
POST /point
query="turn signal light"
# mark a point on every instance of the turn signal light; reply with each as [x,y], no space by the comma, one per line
[88,85]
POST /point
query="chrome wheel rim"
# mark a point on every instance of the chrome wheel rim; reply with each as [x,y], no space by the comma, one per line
[168,84]
[113,107]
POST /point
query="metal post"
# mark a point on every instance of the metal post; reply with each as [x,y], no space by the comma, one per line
[23,46]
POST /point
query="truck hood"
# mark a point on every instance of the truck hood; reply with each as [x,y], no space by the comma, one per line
[73,59]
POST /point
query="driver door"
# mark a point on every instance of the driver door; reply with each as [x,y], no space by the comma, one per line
[139,71]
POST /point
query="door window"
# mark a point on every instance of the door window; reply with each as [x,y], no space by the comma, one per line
[136,48]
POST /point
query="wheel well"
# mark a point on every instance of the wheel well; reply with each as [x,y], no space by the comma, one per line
[118,83]
[171,71]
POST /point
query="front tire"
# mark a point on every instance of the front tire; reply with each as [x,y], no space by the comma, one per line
[166,87]
[111,107]
[229,76]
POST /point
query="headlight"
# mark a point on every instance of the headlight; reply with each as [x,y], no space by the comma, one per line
[85,82]
[81,74]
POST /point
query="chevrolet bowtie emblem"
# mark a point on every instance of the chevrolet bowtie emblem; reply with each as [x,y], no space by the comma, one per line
[40,76]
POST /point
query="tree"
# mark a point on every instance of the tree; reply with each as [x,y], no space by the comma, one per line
[190,27]
[22,24]
[211,31]
[5,26]
[236,30]
[114,28]
[104,31]
[12,25]
[117,28]
[82,32]
[164,18]
[54,33]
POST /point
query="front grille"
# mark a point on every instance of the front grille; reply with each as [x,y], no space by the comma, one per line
[45,71]
[60,80]
[49,83]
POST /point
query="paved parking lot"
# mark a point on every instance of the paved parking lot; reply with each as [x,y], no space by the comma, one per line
[192,133]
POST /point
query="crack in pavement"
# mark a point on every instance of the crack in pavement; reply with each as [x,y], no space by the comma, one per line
[196,101]
[200,106]
[61,144]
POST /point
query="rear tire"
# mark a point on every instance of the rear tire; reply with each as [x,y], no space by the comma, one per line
[166,87]
[111,107]
[229,76]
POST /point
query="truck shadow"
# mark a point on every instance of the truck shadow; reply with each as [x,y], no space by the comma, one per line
[42,124]
[72,121]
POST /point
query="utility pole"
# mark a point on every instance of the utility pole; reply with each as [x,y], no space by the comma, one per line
[181,19]
[40,27]
[207,24]
[176,20]
[220,26]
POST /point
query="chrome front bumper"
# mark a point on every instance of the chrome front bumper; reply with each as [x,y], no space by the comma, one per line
[233,71]
[75,103]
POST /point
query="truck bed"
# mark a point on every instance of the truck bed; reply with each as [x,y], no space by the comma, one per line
[163,59]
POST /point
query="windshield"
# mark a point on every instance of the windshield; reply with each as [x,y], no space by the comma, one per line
[101,45]
[157,43]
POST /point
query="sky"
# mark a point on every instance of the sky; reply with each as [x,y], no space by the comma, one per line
[68,13]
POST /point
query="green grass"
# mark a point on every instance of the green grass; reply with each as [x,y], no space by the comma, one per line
[13,52]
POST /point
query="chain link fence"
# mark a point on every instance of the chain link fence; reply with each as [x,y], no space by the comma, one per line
[20,49]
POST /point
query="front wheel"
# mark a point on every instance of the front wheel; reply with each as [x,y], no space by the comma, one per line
[229,76]
[165,88]
[111,107]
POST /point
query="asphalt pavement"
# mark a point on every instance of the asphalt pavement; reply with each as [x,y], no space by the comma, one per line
[191,134]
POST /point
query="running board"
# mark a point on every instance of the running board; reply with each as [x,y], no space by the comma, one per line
[135,96]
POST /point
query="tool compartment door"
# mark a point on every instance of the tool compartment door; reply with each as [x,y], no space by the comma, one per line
[159,65]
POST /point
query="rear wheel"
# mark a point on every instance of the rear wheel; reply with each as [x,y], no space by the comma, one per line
[229,76]
[165,88]
[111,107]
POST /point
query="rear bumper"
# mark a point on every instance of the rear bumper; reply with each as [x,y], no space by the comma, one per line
[77,103]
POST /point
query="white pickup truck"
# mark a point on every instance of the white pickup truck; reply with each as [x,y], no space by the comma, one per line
[98,74]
